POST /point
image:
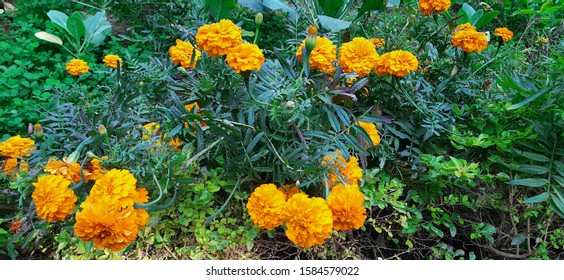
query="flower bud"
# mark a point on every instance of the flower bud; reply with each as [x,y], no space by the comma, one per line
[258,19]
[73,157]
[102,130]
[90,154]
[486,6]
[290,105]
[311,38]
[38,131]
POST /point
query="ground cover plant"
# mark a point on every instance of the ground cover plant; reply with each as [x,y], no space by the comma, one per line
[338,129]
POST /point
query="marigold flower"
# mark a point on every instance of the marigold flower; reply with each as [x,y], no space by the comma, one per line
[359,56]
[95,170]
[54,200]
[16,146]
[12,167]
[119,186]
[323,55]
[77,67]
[189,108]
[378,42]
[151,129]
[15,226]
[110,225]
[469,41]
[308,220]
[217,39]
[429,6]
[245,57]
[504,33]
[69,170]
[346,206]
[265,206]
[397,63]
[112,60]
[289,190]
[182,54]
[465,27]
[372,131]
[348,171]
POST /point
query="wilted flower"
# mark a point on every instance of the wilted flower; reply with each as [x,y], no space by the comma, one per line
[218,39]
[265,206]
[289,190]
[69,170]
[359,56]
[378,42]
[245,57]
[184,53]
[77,67]
[54,200]
[308,220]
[12,167]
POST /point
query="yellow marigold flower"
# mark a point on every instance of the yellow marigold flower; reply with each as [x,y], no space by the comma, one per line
[110,225]
[17,146]
[95,170]
[118,186]
[429,6]
[12,167]
[77,67]
[308,220]
[54,200]
[322,56]
[112,60]
[217,39]
[151,129]
[378,42]
[182,54]
[504,33]
[348,171]
[470,41]
[69,170]
[265,206]
[372,131]
[397,63]
[465,27]
[245,57]
[346,207]
[359,56]
[289,190]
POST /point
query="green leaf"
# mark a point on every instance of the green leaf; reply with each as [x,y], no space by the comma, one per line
[333,24]
[486,18]
[371,5]
[524,12]
[476,17]
[529,182]
[254,142]
[518,240]
[533,156]
[537,198]
[277,5]
[75,26]
[220,9]
[530,99]
[532,169]
[92,22]
[253,4]
[331,7]
[59,18]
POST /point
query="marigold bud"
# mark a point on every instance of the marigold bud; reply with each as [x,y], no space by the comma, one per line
[38,131]
[258,19]
[73,157]
[102,130]
[312,31]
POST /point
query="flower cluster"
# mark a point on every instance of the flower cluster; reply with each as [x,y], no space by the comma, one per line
[504,33]
[108,215]
[112,60]
[185,54]
[358,56]
[398,63]
[77,67]
[468,39]
[342,171]
[54,200]
[322,56]
[427,7]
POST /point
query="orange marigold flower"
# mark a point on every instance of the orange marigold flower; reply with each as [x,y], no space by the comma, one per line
[110,225]
[465,27]
[346,206]
[289,190]
[77,67]
[15,226]
[397,63]
[323,55]
[429,6]
[69,170]
[469,41]
[13,167]
[341,169]
[372,131]
[119,186]
[245,57]
[217,39]
[112,60]
[378,42]
[189,108]
[151,129]
[308,220]
[265,206]
[359,56]
[54,200]
[504,33]
[95,171]
[182,54]
[17,146]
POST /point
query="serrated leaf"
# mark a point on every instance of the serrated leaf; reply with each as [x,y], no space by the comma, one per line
[528,182]
[49,37]
[537,198]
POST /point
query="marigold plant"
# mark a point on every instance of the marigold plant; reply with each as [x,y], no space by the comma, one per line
[398,63]
[504,33]
[184,53]
[54,200]
[112,60]
[77,67]
[346,206]
[308,220]
[16,146]
[245,57]
[266,205]
[322,56]
[358,56]
[427,7]
[218,39]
